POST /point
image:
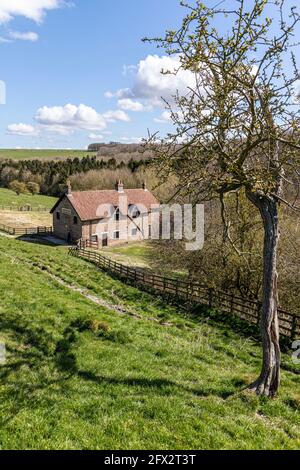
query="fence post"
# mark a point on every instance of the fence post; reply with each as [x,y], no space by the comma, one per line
[259,307]
[232,304]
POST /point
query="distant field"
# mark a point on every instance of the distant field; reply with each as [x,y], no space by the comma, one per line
[25,154]
[9,198]
[25,219]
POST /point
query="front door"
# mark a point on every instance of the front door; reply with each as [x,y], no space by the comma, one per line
[104,240]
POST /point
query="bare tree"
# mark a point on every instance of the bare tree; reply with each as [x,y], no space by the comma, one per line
[238,126]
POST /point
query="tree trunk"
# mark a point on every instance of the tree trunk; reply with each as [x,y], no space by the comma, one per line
[269,380]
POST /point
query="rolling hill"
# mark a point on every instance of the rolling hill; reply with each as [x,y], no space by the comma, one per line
[42,154]
[95,364]
[10,198]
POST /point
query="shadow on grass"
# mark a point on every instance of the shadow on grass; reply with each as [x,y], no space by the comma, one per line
[40,240]
[49,363]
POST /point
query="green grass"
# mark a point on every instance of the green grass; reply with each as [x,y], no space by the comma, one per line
[83,376]
[27,154]
[144,255]
[9,198]
[135,254]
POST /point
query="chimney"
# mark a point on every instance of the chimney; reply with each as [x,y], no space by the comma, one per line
[144,186]
[68,187]
[120,187]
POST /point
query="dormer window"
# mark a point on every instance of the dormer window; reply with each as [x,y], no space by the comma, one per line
[134,212]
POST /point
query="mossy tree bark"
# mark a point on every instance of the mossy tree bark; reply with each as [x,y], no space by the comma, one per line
[269,380]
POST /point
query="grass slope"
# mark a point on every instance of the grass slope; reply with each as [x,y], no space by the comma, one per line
[9,198]
[147,378]
[143,255]
[43,154]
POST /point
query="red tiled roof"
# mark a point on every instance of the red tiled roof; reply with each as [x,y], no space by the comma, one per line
[87,203]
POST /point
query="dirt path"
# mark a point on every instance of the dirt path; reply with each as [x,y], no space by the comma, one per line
[84,293]
[96,300]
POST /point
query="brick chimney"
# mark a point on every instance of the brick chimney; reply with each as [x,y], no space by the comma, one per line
[120,187]
[144,186]
[68,187]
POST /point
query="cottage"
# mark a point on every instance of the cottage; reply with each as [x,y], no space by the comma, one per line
[108,217]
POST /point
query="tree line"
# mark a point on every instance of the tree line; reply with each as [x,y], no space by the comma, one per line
[49,177]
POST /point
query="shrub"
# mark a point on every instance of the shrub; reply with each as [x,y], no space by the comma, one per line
[33,188]
[18,187]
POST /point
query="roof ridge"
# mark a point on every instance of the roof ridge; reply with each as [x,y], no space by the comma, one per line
[105,190]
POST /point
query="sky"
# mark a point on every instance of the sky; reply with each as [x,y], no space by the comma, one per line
[77,72]
[66,67]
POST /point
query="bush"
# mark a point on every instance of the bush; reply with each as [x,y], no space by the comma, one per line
[33,188]
[18,187]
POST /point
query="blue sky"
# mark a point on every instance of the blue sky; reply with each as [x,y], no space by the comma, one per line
[77,72]
[80,54]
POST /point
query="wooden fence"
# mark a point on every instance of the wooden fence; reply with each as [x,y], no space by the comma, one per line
[24,209]
[19,231]
[83,244]
[191,292]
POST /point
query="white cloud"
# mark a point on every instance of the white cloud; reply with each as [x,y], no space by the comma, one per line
[151,85]
[29,36]
[93,136]
[128,69]
[164,118]
[65,120]
[123,92]
[127,104]
[22,130]
[132,140]
[4,40]
[296,92]
[71,117]
[117,115]
[32,9]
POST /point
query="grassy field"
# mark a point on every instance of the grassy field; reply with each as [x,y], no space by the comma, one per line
[94,364]
[141,255]
[9,198]
[25,154]
[134,254]
[26,219]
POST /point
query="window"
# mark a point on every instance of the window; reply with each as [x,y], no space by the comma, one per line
[57,215]
[116,235]
[136,213]
[134,232]
[75,220]
[150,231]
[117,215]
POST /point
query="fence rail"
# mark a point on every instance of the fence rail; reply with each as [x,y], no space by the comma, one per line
[24,208]
[248,310]
[83,244]
[19,231]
